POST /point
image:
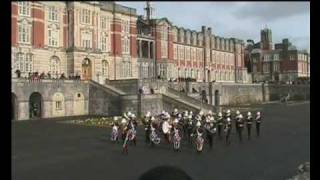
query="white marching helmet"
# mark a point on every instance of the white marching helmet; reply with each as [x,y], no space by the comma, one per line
[228,111]
[228,119]
[152,118]
[163,112]
[240,116]
[258,113]
[123,121]
[220,114]
[198,124]
[190,116]
[133,116]
[249,113]
[115,118]
[201,113]
[186,113]
[176,121]
[179,115]
[211,118]
[238,112]
[210,112]
[175,110]
[167,116]
[148,114]
[129,114]
[191,113]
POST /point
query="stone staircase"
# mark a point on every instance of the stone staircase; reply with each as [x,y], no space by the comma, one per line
[187,100]
[108,88]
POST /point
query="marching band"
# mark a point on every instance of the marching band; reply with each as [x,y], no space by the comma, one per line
[197,129]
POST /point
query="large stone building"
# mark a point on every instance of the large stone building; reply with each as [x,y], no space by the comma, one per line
[104,40]
[284,62]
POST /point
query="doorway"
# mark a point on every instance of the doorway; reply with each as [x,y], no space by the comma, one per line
[35,105]
[86,69]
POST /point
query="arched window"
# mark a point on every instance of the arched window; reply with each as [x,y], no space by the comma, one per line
[55,66]
[105,68]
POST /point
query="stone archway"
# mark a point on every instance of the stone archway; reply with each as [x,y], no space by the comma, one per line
[216,98]
[35,105]
[14,107]
[86,69]
[209,76]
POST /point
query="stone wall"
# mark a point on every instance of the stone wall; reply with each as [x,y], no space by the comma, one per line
[296,92]
[234,94]
[74,97]
[129,86]
[103,101]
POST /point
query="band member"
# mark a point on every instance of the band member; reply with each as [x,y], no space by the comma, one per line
[227,130]
[228,114]
[146,123]
[166,128]
[220,124]
[176,135]
[258,122]
[249,124]
[237,120]
[154,138]
[240,126]
[175,113]
[123,129]
[115,130]
[189,127]
[198,133]
[210,130]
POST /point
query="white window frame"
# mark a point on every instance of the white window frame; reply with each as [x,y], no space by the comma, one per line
[53,14]
[24,30]
[24,8]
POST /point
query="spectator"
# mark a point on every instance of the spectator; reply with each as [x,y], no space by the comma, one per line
[42,75]
[62,76]
[49,75]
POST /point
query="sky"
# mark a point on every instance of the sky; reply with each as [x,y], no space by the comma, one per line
[242,20]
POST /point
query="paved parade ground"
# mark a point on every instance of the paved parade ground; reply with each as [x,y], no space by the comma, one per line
[47,150]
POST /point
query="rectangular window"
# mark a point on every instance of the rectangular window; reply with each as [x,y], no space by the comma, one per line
[53,14]
[24,8]
[24,33]
[58,105]
[86,39]
[125,42]
[53,38]
[103,23]
[85,16]
[103,42]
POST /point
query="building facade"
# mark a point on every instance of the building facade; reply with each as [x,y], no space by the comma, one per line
[104,40]
[284,62]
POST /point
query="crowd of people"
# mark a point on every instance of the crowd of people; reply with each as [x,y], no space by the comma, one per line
[196,129]
[36,76]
